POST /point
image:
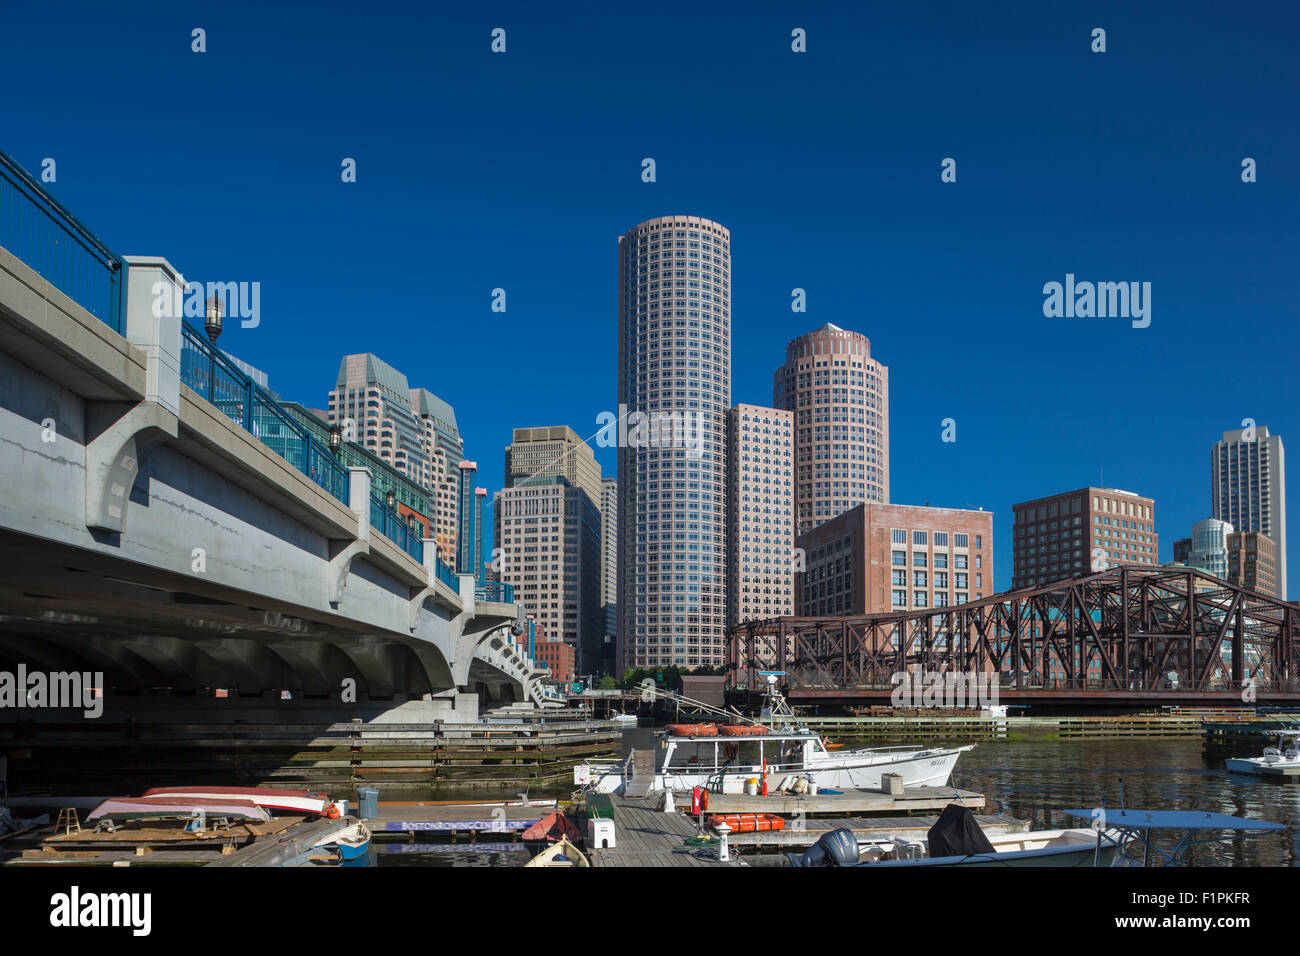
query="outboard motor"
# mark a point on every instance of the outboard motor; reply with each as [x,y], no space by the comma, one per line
[837,848]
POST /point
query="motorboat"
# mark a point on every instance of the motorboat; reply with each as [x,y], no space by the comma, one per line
[294,801]
[562,853]
[726,757]
[627,719]
[1285,756]
[1136,832]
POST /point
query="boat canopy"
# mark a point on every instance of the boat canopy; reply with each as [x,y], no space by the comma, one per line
[1174,820]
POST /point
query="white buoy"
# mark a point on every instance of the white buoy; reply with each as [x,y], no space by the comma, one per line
[723,854]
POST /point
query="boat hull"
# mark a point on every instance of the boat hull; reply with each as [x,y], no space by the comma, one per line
[861,770]
[1072,848]
[1259,765]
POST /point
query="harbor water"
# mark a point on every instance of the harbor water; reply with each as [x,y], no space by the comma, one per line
[1035,781]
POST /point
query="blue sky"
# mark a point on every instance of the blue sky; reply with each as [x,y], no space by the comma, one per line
[519,171]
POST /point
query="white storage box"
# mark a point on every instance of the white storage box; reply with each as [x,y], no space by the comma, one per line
[600,834]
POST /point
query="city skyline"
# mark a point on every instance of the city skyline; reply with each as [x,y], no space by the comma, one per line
[946,285]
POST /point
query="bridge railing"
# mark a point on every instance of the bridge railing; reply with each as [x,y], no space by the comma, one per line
[48,238]
[388,523]
[501,591]
[447,576]
[210,373]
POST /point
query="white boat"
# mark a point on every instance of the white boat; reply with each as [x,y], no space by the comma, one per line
[624,718]
[1285,756]
[1078,846]
[563,853]
[780,753]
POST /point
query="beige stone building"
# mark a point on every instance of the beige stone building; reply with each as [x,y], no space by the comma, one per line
[760,504]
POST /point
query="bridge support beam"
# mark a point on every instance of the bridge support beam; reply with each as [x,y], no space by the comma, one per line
[119,435]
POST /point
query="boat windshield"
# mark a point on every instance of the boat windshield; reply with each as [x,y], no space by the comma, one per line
[735,754]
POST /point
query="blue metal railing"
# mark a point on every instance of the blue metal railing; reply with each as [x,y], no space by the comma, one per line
[447,576]
[208,371]
[495,591]
[388,523]
[48,238]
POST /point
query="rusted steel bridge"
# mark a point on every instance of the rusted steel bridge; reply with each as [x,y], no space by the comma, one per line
[1172,635]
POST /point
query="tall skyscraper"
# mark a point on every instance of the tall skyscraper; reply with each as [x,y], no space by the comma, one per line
[535,453]
[609,568]
[546,538]
[760,531]
[674,359]
[839,396]
[1248,487]
[409,428]
[1073,534]
[467,560]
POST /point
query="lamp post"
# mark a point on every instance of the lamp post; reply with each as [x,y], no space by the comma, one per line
[336,439]
[212,325]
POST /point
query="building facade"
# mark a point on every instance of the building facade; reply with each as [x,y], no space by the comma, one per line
[410,429]
[609,569]
[547,543]
[1075,533]
[674,363]
[760,527]
[1248,487]
[540,453]
[1250,560]
[876,558]
[839,396]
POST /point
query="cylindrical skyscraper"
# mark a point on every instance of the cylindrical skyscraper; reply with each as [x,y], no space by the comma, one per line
[674,390]
[840,398]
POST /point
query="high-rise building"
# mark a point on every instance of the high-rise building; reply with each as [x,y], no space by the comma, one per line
[609,569]
[1248,487]
[409,428]
[760,503]
[1075,533]
[674,359]
[535,453]
[547,543]
[839,396]
[878,558]
[1248,558]
[467,559]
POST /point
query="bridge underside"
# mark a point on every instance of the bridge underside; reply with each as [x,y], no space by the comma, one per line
[1125,636]
[154,634]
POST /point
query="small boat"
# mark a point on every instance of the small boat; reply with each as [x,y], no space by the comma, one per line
[1285,756]
[352,843]
[1135,829]
[178,808]
[296,801]
[956,839]
[552,827]
[563,853]
[624,718]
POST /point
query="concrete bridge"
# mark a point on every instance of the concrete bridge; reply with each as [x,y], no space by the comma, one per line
[147,534]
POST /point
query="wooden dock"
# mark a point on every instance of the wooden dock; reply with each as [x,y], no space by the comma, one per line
[645,836]
[454,820]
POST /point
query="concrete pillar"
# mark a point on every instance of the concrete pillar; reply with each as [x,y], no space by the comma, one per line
[359,499]
[155,296]
[467,593]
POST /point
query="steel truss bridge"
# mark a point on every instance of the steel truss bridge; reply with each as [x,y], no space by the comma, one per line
[1172,634]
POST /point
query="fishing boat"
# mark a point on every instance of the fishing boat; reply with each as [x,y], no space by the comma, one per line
[123,809]
[1285,756]
[295,801]
[724,758]
[562,853]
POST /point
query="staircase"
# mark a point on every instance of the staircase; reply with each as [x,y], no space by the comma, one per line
[642,775]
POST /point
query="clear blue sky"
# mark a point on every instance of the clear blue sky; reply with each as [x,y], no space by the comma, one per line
[519,171]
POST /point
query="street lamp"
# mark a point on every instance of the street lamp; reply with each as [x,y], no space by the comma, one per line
[390,498]
[212,325]
[336,439]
